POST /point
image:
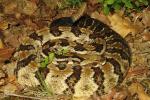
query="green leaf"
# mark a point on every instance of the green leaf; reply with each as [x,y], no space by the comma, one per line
[47,60]
[106,10]
[137,3]
[128,4]
[43,64]
[118,1]
[101,1]
[45,87]
[145,2]
[62,51]
[65,50]
[116,6]
[51,57]
[110,2]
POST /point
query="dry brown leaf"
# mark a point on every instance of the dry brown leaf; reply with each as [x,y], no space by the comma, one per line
[52,3]
[35,1]
[1,44]
[10,88]
[3,24]
[146,18]
[14,36]
[9,7]
[137,71]
[122,25]
[26,6]
[92,2]
[100,17]
[5,54]
[146,35]
[138,88]
[80,11]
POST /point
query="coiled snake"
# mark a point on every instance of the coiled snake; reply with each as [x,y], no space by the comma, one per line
[96,61]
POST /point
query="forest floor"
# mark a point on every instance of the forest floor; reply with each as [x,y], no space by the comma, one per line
[20,17]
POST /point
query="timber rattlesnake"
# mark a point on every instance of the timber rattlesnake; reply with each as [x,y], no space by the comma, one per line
[97,58]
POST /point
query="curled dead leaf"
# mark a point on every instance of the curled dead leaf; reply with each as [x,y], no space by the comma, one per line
[122,25]
[10,88]
[137,71]
[146,35]
[3,24]
[146,18]
[80,11]
[5,54]
[101,17]
[52,3]
[9,7]
[27,7]
[138,88]
[1,44]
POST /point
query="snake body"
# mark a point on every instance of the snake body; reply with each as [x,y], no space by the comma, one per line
[97,59]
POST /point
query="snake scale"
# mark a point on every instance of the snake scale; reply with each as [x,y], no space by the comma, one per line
[96,61]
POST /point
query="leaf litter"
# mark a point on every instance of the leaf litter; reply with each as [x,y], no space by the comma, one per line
[19,18]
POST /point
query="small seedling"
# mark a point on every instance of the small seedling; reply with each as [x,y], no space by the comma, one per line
[48,59]
[116,5]
[62,51]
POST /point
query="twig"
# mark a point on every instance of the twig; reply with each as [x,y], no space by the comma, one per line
[30,97]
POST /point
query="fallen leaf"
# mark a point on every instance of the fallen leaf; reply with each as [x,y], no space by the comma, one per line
[122,25]
[52,3]
[137,71]
[27,7]
[1,44]
[80,12]
[10,88]
[101,17]
[9,7]
[5,54]
[146,18]
[3,24]
[2,82]
[35,1]
[146,35]
[138,88]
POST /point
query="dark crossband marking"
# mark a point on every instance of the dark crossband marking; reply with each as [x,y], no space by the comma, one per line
[46,51]
[76,31]
[62,65]
[123,54]
[123,44]
[25,47]
[64,42]
[48,44]
[25,62]
[76,56]
[99,80]
[117,68]
[46,47]
[61,56]
[80,22]
[79,47]
[96,35]
[98,47]
[88,22]
[99,27]
[94,25]
[36,37]
[73,79]
[54,27]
